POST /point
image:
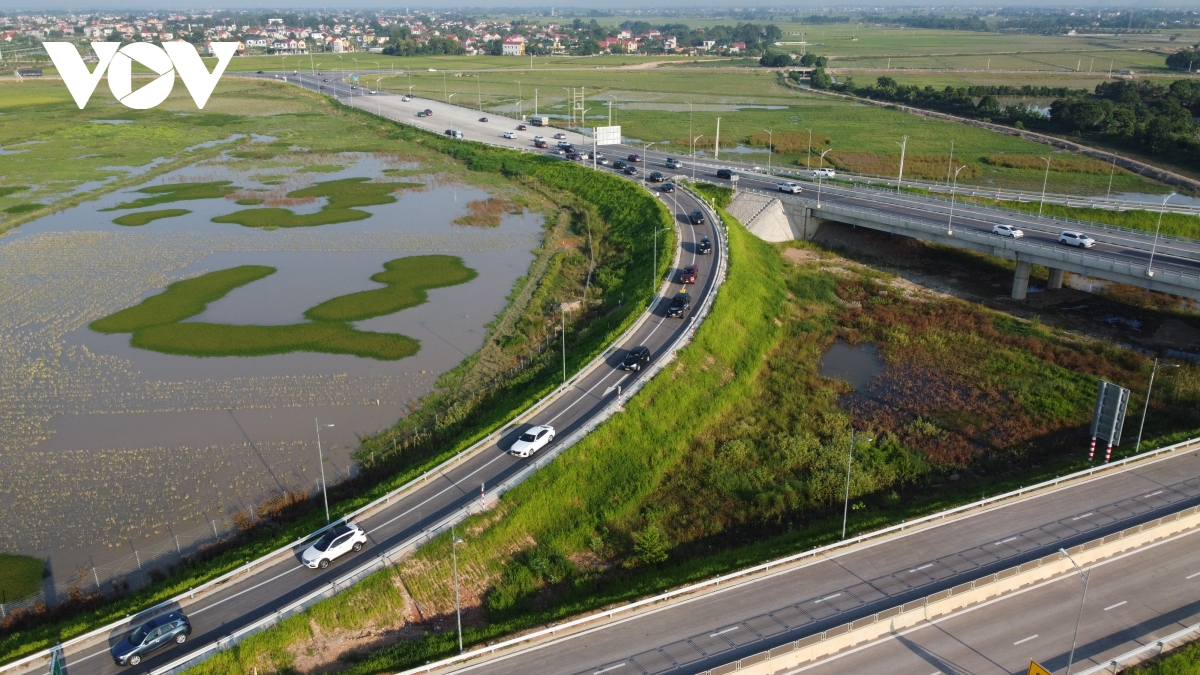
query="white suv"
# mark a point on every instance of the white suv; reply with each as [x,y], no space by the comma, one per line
[790,187]
[1072,238]
[336,542]
[824,173]
[1008,231]
[510,134]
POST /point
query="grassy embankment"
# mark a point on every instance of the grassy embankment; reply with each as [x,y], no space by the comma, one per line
[1182,661]
[20,575]
[513,369]
[737,455]
[157,324]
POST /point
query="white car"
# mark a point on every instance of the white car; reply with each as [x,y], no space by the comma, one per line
[1008,231]
[336,542]
[510,134]
[824,173]
[534,439]
[371,91]
[792,188]
[1072,238]
[560,135]
[538,138]
[406,98]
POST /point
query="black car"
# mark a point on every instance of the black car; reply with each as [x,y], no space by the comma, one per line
[681,303]
[630,170]
[727,174]
[259,73]
[667,187]
[619,164]
[574,156]
[636,359]
[704,245]
[162,631]
[655,177]
[697,217]
[673,163]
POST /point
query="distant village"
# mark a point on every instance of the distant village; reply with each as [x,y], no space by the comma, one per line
[409,34]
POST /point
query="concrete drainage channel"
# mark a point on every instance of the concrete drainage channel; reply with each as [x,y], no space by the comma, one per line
[944,602]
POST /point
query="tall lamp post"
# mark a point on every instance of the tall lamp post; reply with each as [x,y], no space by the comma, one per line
[454,542]
[821,176]
[1045,181]
[645,147]
[1082,600]
[849,463]
[1154,248]
[1146,404]
[950,221]
[321,463]
[900,176]
[694,156]
[770,148]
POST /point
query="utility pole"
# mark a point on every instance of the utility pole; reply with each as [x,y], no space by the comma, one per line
[900,176]
[1082,600]
[454,542]
[1146,404]
[321,463]
[563,307]
[1045,181]
[717,144]
[849,463]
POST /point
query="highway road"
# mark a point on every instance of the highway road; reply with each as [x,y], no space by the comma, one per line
[715,628]
[249,598]
[1131,247]
[1134,599]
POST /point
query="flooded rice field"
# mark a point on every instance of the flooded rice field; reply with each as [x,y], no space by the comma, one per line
[104,443]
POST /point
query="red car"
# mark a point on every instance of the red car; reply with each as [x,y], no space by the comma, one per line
[688,275]
[522,127]
[540,144]
[635,158]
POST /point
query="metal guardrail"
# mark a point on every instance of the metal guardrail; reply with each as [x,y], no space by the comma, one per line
[1140,654]
[1189,444]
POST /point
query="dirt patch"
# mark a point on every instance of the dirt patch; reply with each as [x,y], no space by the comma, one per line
[487,212]
[324,652]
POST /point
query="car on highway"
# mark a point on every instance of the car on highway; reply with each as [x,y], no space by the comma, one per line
[602,160]
[522,127]
[454,133]
[560,135]
[172,628]
[688,275]
[575,156]
[824,173]
[704,245]
[403,99]
[655,177]
[428,112]
[791,188]
[634,158]
[422,113]
[371,92]
[335,543]
[259,73]
[325,79]
[538,138]
[534,439]
[483,119]
[667,187]
[1008,231]
[727,174]
[697,217]
[541,144]
[673,163]
[510,134]
[636,359]
[681,303]
[564,144]
[619,164]
[1073,238]
[630,170]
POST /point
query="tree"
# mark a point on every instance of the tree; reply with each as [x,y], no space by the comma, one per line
[821,79]
[1185,59]
[650,546]
[989,106]
[775,60]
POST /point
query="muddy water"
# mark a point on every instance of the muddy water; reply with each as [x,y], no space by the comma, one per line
[104,443]
[855,364]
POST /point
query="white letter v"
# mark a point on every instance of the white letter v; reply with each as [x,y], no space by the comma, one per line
[74,73]
[199,82]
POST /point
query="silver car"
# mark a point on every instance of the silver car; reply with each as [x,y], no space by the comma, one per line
[1008,231]
[1073,238]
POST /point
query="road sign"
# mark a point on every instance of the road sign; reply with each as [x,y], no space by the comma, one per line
[56,660]
[608,135]
[1109,415]
[1036,669]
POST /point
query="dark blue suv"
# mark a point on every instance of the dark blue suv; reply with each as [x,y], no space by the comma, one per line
[161,631]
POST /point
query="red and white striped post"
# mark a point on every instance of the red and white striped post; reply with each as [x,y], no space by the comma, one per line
[482,497]
[1092,452]
[1108,453]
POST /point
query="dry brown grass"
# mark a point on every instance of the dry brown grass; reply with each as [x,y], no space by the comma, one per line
[705,143]
[790,141]
[931,167]
[487,212]
[1064,164]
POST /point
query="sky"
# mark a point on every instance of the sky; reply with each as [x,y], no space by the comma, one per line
[533,6]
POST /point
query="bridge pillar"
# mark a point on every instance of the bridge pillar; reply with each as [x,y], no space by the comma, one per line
[1020,280]
[1055,281]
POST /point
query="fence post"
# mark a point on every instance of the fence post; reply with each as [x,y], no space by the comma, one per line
[214,526]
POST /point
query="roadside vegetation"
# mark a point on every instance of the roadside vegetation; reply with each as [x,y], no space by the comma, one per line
[139,218]
[20,575]
[1182,661]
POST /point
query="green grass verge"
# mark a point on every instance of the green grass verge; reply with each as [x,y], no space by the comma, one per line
[1182,661]
[157,324]
[7,190]
[177,192]
[20,576]
[17,209]
[143,217]
[249,201]
[342,194]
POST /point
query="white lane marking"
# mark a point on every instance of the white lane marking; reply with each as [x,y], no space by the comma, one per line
[828,597]
[721,632]
[1083,516]
[437,494]
[81,659]
[917,569]
[194,612]
[605,670]
[1116,605]
[1005,541]
[1156,492]
[1192,576]
[1025,639]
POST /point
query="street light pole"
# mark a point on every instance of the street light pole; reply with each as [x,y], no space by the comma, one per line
[454,542]
[1045,181]
[1082,600]
[645,147]
[694,156]
[1112,170]
[820,176]
[1154,248]
[321,464]
[900,176]
[849,463]
[563,308]
[809,164]
[770,148]
[1146,404]
[953,190]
